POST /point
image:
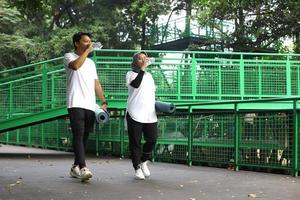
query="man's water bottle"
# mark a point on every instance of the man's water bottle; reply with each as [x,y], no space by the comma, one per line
[97,45]
[151,61]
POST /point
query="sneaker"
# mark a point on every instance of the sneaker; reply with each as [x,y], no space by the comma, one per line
[86,174]
[75,172]
[145,169]
[139,175]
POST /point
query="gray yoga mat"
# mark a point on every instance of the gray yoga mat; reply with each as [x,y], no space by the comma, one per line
[102,116]
[164,107]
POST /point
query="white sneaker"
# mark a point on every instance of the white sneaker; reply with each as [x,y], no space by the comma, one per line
[145,169]
[86,174]
[75,172]
[139,175]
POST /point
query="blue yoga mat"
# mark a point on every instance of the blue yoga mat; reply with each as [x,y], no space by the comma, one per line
[164,107]
[102,116]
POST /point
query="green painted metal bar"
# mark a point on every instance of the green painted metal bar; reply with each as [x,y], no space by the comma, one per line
[32,119]
[237,137]
[239,101]
[53,99]
[259,82]
[18,137]
[288,77]
[219,82]
[97,140]
[29,136]
[179,83]
[190,137]
[31,65]
[295,161]
[43,135]
[58,134]
[298,81]
[44,87]
[242,75]
[194,74]
[11,99]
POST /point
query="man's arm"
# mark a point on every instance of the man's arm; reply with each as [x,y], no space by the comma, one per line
[100,94]
[77,63]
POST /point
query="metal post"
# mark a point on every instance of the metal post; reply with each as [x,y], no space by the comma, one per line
[190,137]
[242,77]
[296,139]
[237,135]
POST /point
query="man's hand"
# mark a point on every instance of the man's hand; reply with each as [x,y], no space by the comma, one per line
[104,107]
[89,48]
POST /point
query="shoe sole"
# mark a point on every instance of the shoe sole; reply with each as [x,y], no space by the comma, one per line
[86,178]
[74,176]
[138,178]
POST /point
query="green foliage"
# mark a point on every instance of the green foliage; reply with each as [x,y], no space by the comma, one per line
[13,50]
[257,24]
[48,26]
[36,30]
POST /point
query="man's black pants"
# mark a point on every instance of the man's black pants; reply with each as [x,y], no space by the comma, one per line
[82,123]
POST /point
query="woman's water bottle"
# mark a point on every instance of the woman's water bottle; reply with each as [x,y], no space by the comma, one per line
[97,45]
[151,61]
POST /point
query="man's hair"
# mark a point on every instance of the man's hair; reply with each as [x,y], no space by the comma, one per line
[77,37]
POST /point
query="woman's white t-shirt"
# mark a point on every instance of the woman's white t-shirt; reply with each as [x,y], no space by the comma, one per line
[141,100]
[80,83]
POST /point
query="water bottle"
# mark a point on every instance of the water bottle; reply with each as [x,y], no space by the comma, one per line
[97,45]
[151,60]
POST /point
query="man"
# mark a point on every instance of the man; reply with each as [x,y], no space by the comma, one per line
[82,87]
[141,116]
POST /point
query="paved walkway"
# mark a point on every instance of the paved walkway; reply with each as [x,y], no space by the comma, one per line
[44,176]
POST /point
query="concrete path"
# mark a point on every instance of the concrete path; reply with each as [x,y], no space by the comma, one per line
[44,176]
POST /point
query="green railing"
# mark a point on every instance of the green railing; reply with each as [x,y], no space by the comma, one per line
[180,76]
[198,133]
[188,27]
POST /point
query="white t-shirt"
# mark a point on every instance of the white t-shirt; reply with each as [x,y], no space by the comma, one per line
[80,83]
[141,100]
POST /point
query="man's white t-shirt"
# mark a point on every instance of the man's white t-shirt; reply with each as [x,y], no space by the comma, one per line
[141,100]
[80,83]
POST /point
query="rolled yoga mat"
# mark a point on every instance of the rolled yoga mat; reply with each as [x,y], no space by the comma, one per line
[164,107]
[102,116]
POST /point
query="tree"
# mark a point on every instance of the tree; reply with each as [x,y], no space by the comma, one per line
[257,24]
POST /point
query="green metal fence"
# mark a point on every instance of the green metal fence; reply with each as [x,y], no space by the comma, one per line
[261,138]
[179,76]
[253,133]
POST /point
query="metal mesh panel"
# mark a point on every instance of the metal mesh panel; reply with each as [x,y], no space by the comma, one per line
[295,78]
[208,82]
[230,81]
[173,138]
[298,142]
[56,89]
[213,137]
[109,131]
[266,139]
[252,79]
[186,83]
[274,79]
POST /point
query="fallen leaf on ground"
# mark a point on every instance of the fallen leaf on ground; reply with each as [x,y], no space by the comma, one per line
[252,195]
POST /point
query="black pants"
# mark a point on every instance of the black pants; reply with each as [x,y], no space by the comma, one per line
[82,123]
[135,129]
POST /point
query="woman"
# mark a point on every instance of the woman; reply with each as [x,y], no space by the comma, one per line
[141,116]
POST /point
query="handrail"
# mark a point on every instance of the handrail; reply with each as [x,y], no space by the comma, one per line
[239,101]
[30,65]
